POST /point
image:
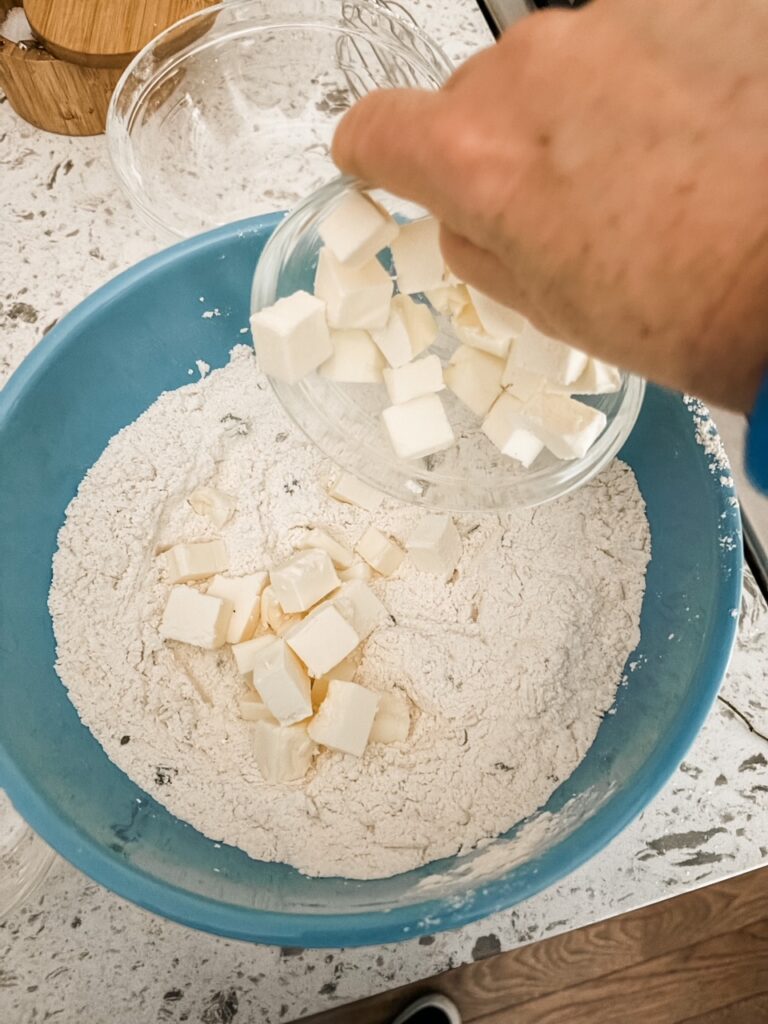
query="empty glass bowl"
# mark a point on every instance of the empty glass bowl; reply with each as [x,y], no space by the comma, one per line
[344,420]
[25,859]
[230,112]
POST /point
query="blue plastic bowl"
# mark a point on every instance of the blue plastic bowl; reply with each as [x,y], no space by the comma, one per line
[98,370]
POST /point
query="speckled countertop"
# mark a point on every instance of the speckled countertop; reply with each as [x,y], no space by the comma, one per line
[76,952]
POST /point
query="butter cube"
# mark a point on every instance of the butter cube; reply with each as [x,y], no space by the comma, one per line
[357,229]
[361,608]
[418,260]
[322,639]
[186,562]
[319,691]
[272,615]
[471,332]
[597,378]
[522,384]
[536,353]
[341,556]
[291,337]
[567,427]
[346,670]
[380,551]
[244,592]
[435,545]
[356,358]
[212,503]
[356,571]
[283,753]
[410,329]
[357,297]
[253,709]
[247,653]
[347,488]
[495,318]
[345,718]
[449,298]
[303,580]
[281,682]
[393,719]
[195,618]
[422,377]
[419,427]
[475,378]
[506,426]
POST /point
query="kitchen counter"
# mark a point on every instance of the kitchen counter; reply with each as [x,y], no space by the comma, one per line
[75,951]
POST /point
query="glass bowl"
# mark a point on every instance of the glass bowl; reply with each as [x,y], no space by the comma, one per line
[230,112]
[25,859]
[344,420]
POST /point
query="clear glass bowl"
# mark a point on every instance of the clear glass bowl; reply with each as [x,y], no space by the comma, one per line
[344,420]
[230,112]
[25,859]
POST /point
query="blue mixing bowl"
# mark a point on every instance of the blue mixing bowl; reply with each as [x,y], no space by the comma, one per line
[96,371]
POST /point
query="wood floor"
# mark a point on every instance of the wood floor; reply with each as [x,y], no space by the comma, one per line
[701,958]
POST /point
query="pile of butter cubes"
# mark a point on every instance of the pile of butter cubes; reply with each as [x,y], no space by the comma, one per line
[296,631]
[355,330]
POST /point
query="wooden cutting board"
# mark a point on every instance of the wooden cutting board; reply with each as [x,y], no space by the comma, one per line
[103,33]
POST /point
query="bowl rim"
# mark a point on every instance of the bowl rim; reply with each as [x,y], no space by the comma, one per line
[368,927]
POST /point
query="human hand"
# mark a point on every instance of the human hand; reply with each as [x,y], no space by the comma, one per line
[604,171]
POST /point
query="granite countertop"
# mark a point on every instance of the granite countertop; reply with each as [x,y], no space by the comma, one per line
[75,951]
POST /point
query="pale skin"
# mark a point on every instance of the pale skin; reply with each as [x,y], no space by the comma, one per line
[605,172]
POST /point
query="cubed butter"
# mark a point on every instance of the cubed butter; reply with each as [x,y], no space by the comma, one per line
[380,551]
[213,503]
[322,639]
[410,329]
[471,332]
[356,571]
[435,545]
[356,229]
[496,319]
[195,618]
[186,562]
[356,358]
[393,719]
[346,670]
[475,378]
[506,426]
[421,377]
[247,653]
[536,353]
[567,427]
[347,488]
[303,580]
[357,297]
[282,683]
[449,298]
[419,427]
[418,260]
[283,753]
[253,709]
[244,592]
[291,337]
[360,607]
[315,537]
[345,718]
[521,383]
[273,616]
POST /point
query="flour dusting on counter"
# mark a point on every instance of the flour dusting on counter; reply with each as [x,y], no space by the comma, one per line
[510,666]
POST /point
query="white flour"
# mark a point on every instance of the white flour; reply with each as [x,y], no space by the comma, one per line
[510,665]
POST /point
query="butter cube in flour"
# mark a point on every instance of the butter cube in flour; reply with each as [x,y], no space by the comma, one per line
[475,378]
[281,682]
[418,260]
[360,607]
[187,562]
[253,709]
[421,377]
[357,229]
[214,504]
[419,427]
[244,592]
[393,719]
[345,670]
[357,297]
[304,580]
[291,337]
[506,426]
[247,653]
[322,639]
[356,571]
[356,358]
[283,753]
[195,618]
[410,329]
[380,551]
[567,427]
[272,616]
[536,353]
[471,332]
[498,320]
[340,555]
[347,488]
[345,718]
[435,545]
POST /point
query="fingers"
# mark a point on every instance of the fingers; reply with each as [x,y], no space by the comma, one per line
[385,141]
